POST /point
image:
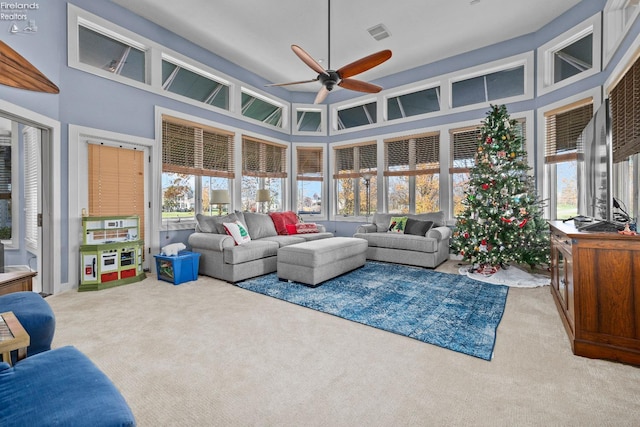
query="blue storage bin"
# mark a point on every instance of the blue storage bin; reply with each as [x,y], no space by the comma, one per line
[178,268]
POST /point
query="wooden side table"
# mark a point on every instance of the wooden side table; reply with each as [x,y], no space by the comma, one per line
[12,337]
[16,281]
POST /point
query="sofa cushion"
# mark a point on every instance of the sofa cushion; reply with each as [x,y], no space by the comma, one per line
[251,251]
[259,225]
[282,219]
[284,240]
[407,242]
[417,227]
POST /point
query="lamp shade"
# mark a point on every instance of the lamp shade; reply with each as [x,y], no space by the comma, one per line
[367,176]
[263,195]
[220,197]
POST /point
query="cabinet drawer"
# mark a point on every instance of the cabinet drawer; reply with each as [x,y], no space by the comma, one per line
[562,241]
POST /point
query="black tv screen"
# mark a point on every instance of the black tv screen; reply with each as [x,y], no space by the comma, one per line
[595,197]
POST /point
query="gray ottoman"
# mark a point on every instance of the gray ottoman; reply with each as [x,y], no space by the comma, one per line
[315,261]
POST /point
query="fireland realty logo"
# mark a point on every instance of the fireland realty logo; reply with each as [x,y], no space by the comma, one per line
[20,16]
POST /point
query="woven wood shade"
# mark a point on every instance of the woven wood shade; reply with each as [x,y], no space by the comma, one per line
[116,182]
[263,159]
[625,114]
[464,144]
[190,149]
[309,167]
[354,160]
[415,155]
[563,129]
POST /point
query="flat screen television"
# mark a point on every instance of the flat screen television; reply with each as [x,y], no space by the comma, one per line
[595,167]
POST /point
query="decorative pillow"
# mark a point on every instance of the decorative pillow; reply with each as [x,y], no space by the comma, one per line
[291,229]
[397,224]
[237,231]
[282,219]
[307,227]
[417,227]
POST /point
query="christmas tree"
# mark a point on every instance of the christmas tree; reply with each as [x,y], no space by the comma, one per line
[502,218]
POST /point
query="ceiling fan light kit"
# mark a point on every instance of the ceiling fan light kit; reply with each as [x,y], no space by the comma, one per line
[341,77]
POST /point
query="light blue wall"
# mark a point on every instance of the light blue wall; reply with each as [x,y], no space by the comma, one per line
[88,100]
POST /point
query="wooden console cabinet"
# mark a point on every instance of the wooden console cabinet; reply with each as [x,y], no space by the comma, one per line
[16,281]
[595,283]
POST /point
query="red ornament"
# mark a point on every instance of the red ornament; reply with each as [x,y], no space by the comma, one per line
[489,140]
[485,186]
[466,235]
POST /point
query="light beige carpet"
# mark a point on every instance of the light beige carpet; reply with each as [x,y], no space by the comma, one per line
[206,353]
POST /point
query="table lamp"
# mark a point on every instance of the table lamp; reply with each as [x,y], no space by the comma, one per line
[263,195]
[219,197]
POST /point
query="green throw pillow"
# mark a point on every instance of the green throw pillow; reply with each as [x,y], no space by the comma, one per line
[397,224]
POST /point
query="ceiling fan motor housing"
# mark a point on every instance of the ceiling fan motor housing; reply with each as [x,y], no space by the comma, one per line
[329,80]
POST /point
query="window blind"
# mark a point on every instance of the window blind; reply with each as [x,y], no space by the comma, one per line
[625,114]
[464,144]
[192,149]
[31,142]
[563,129]
[309,164]
[416,155]
[263,159]
[116,182]
[354,160]
[5,167]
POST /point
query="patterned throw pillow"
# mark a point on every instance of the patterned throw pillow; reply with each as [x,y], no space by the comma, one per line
[237,231]
[397,224]
[307,227]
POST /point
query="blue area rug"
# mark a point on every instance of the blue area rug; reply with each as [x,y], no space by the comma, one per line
[447,310]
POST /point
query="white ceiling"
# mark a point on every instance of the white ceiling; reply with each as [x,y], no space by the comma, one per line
[257,34]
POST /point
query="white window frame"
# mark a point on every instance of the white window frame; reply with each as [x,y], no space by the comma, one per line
[16,167]
[616,26]
[412,88]
[335,108]
[154,55]
[525,60]
[546,52]
[381,206]
[268,99]
[76,18]
[322,109]
[325,175]
[186,64]
[546,175]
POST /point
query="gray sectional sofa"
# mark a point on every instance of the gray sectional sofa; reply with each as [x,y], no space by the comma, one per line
[429,250]
[221,258]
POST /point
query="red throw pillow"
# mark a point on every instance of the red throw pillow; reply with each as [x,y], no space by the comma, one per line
[281,219]
[291,229]
[307,227]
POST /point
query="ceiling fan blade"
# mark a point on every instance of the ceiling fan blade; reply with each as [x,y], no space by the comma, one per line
[322,94]
[308,59]
[364,64]
[360,86]
[19,73]
[293,83]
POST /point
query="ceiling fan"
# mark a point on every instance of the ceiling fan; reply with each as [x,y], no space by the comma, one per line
[342,76]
